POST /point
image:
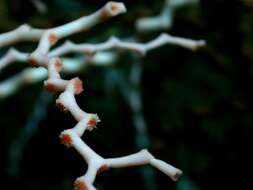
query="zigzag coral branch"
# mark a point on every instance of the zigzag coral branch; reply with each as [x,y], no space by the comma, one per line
[112,43]
[34,75]
[69,88]
[107,58]
[88,121]
[141,48]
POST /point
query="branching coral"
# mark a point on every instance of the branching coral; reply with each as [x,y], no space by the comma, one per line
[51,65]
[70,65]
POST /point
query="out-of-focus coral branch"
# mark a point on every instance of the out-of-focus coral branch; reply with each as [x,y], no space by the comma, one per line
[28,76]
[40,6]
[71,65]
[11,56]
[164,20]
[130,88]
[17,147]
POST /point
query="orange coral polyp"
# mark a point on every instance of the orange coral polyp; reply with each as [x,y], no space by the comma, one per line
[58,65]
[52,38]
[33,62]
[92,122]
[50,87]
[78,86]
[66,140]
[80,185]
[102,169]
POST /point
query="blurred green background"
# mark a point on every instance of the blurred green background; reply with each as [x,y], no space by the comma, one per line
[197,105]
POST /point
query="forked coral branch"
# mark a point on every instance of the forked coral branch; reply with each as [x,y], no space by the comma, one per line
[112,43]
[116,43]
[88,121]
[51,66]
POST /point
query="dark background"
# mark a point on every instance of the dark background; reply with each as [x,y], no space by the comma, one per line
[197,105]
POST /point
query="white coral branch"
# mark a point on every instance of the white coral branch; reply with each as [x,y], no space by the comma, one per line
[70,88]
[112,43]
[13,55]
[164,19]
[51,36]
[116,43]
[99,59]
[72,137]
[23,33]
[33,75]
[48,37]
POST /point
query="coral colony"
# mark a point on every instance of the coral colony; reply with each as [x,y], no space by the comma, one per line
[49,63]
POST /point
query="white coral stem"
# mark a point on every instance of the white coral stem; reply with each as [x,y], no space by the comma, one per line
[112,43]
[33,75]
[51,36]
[48,37]
[22,33]
[70,88]
[100,59]
[116,43]
[72,137]
[164,19]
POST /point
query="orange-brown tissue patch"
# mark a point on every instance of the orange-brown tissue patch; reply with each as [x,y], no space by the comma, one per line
[50,87]
[110,11]
[80,185]
[52,38]
[114,8]
[102,169]
[66,140]
[58,65]
[78,85]
[33,62]
[61,106]
[92,122]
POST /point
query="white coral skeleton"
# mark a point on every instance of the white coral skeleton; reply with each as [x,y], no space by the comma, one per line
[50,63]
